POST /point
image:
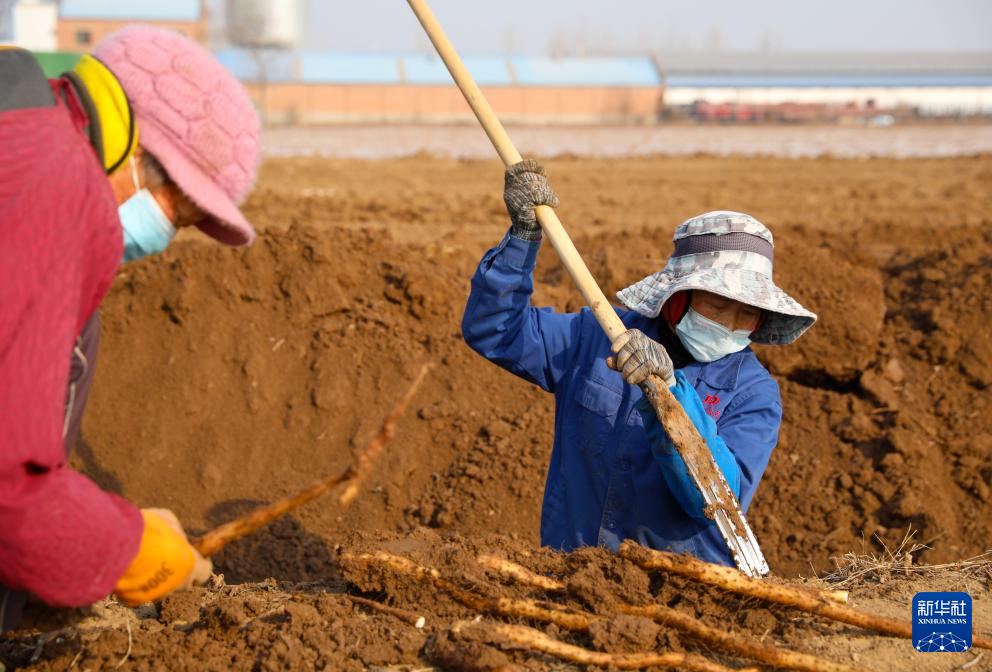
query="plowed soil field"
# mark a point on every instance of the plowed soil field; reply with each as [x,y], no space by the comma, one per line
[230,378]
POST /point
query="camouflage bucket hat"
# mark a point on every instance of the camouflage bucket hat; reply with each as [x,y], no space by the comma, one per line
[730,254]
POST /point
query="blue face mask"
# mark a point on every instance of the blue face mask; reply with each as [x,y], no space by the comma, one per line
[708,341]
[146,228]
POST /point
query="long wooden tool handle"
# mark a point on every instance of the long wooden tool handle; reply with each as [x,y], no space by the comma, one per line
[721,504]
[550,224]
[213,541]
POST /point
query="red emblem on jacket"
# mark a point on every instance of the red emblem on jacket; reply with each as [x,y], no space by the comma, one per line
[709,404]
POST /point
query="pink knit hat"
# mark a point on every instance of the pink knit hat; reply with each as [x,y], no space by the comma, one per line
[194,117]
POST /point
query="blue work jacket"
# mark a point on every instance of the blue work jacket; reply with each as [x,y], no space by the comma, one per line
[607,480]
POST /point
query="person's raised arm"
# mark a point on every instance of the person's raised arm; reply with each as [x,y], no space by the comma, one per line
[499,321]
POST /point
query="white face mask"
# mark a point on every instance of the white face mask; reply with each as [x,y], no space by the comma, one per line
[708,341]
[146,228]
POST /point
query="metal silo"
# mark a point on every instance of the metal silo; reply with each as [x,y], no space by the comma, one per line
[266,24]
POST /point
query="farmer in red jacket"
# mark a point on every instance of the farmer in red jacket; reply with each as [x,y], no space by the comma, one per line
[148,135]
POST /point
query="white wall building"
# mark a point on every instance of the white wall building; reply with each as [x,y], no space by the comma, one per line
[935,83]
[34,23]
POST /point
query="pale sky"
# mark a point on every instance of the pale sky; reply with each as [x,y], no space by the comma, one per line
[539,27]
[549,27]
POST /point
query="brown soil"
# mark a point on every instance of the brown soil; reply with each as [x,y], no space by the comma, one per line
[228,379]
[275,625]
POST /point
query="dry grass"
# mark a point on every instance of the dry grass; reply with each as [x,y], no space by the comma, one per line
[870,567]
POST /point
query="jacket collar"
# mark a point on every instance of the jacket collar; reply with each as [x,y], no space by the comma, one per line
[724,373]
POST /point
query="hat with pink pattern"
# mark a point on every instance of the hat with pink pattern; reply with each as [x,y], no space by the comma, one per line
[194,117]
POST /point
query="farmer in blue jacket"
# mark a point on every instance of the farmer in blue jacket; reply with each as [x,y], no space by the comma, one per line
[614,473]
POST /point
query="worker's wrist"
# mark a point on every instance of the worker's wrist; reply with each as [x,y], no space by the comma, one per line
[518,253]
[163,563]
[526,231]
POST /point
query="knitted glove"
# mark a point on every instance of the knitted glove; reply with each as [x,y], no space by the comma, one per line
[165,561]
[639,356]
[524,187]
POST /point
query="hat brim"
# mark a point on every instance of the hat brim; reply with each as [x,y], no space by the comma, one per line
[225,222]
[785,319]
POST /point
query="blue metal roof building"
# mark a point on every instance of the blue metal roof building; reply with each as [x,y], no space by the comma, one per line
[410,69]
[334,68]
[327,87]
[585,71]
[249,67]
[487,70]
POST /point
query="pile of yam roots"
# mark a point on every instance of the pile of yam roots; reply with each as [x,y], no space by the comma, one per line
[499,619]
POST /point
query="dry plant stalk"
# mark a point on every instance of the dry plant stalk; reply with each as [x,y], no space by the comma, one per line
[519,636]
[212,542]
[734,581]
[726,641]
[869,566]
[504,606]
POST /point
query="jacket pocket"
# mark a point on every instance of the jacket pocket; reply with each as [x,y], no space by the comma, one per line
[596,414]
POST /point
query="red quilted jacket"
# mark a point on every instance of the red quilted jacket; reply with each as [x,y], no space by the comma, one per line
[61,537]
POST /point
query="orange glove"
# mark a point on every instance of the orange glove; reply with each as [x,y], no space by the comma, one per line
[165,561]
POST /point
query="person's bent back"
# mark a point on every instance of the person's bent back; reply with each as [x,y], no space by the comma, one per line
[100,166]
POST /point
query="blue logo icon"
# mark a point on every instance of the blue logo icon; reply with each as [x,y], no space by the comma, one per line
[941,622]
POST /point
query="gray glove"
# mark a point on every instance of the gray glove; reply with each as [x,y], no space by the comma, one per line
[524,187]
[639,356]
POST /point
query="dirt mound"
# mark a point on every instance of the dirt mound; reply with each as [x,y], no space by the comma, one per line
[904,442]
[261,371]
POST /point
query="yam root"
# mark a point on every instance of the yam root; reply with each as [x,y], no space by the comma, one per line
[503,606]
[366,461]
[734,581]
[522,637]
[212,542]
[519,573]
[721,639]
[527,577]
[413,619]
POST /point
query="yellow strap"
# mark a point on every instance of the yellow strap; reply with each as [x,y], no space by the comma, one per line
[117,124]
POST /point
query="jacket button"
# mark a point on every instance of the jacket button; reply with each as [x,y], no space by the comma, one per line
[625,465]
